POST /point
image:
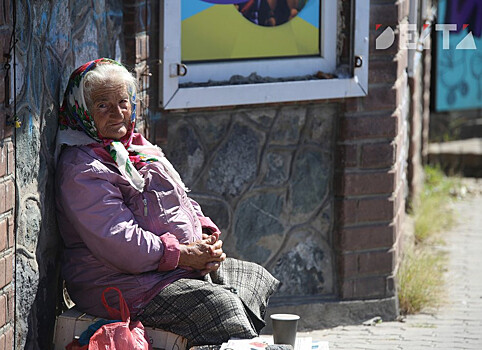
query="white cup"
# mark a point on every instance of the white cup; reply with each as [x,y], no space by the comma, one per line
[284,328]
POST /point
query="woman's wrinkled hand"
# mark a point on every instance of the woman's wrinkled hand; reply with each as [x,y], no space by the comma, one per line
[204,255]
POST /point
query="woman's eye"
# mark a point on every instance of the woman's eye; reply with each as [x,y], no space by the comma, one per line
[101,105]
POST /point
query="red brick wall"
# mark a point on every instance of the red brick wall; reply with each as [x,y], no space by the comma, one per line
[370,170]
[7,192]
[140,19]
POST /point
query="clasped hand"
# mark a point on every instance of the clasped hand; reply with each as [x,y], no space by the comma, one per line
[204,255]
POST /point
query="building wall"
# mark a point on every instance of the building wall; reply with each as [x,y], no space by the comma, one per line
[372,147]
[364,172]
[7,187]
[54,37]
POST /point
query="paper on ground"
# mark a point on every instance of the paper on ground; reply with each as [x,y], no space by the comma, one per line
[260,343]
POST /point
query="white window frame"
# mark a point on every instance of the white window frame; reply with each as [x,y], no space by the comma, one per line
[173,96]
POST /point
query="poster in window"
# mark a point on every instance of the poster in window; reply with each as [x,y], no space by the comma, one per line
[458,82]
[213,30]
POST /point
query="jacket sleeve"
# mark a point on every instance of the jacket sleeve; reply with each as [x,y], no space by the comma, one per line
[95,209]
[206,222]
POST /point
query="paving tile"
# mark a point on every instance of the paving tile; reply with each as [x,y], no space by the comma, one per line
[455,325]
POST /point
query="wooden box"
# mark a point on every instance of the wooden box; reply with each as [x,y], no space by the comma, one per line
[72,323]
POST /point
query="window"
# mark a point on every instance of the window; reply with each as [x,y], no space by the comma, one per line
[231,52]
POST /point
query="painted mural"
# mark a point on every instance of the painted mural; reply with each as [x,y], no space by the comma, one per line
[459,55]
[240,29]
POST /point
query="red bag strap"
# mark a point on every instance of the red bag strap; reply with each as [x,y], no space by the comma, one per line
[122,314]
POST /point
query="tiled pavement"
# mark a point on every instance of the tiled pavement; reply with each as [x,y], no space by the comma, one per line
[455,325]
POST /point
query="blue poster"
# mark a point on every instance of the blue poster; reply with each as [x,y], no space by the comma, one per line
[458,55]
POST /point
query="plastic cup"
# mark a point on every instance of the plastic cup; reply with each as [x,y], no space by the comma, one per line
[284,328]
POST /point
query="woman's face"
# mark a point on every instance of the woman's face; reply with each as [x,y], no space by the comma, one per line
[111,110]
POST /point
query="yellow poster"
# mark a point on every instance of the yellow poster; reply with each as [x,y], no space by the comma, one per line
[213,30]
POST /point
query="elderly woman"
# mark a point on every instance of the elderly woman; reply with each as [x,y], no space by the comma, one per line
[127,222]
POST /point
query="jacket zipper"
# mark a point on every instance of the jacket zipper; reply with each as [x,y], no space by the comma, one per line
[188,212]
[144,200]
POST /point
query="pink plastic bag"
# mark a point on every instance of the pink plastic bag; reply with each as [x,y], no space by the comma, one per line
[125,335]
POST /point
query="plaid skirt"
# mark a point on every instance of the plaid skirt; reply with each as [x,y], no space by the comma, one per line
[228,303]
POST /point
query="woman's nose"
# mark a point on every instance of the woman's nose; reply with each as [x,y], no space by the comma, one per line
[116,111]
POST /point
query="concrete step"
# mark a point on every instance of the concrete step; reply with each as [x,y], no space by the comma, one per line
[461,157]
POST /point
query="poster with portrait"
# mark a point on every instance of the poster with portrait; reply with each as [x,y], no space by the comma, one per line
[224,30]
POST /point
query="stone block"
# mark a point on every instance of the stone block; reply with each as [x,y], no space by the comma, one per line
[387,69]
[3,159]
[3,235]
[385,14]
[381,97]
[377,155]
[278,165]
[320,124]
[10,158]
[333,314]
[3,310]
[364,210]
[367,183]
[9,339]
[216,209]
[262,117]
[187,156]
[348,265]
[364,288]
[402,89]
[236,162]
[371,263]
[10,304]
[309,182]
[288,125]
[9,195]
[3,263]
[403,9]
[383,126]
[2,88]
[256,223]
[214,126]
[346,156]
[356,265]
[382,71]
[367,237]
[304,265]
[8,268]
[3,199]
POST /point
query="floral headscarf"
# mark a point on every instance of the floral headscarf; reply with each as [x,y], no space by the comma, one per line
[77,127]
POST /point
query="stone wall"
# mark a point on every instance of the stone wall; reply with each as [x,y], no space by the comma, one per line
[54,37]
[7,184]
[264,175]
[242,164]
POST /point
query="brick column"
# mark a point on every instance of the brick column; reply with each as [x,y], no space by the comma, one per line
[139,20]
[370,170]
[7,191]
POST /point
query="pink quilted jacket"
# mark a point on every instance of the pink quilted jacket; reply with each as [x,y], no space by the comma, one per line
[116,236]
